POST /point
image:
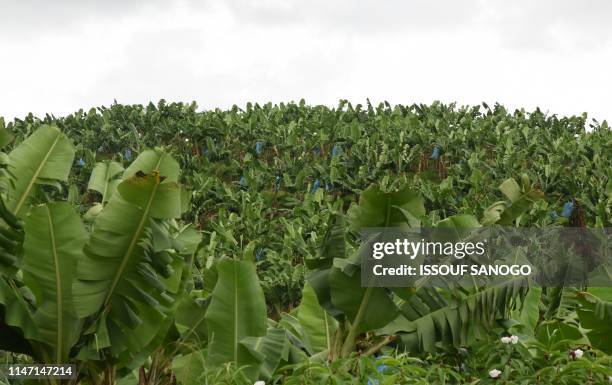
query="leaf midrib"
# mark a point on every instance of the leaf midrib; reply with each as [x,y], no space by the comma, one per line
[235,314]
[327,335]
[58,288]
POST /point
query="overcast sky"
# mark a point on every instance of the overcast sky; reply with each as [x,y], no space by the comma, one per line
[59,56]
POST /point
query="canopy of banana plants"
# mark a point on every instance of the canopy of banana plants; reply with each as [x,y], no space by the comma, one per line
[164,245]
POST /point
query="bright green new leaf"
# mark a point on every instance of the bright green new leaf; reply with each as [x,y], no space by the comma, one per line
[237,311]
[53,244]
[43,158]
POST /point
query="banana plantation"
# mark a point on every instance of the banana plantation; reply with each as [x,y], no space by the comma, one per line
[162,244]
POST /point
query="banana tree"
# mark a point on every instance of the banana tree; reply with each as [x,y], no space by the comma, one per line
[417,319]
[96,295]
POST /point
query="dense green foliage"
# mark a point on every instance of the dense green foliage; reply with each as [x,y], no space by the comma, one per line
[279,194]
[339,152]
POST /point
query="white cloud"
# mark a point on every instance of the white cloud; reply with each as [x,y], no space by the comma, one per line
[552,54]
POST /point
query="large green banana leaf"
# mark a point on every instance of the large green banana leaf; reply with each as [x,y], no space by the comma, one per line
[114,253]
[154,160]
[129,347]
[117,274]
[157,199]
[43,158]
[53,244]
[595,316]
[376,208]
[104,178]
[528,315]
[270,349]
[237,311]
[339,290]
[366,307]
[429,317]
[319,326]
